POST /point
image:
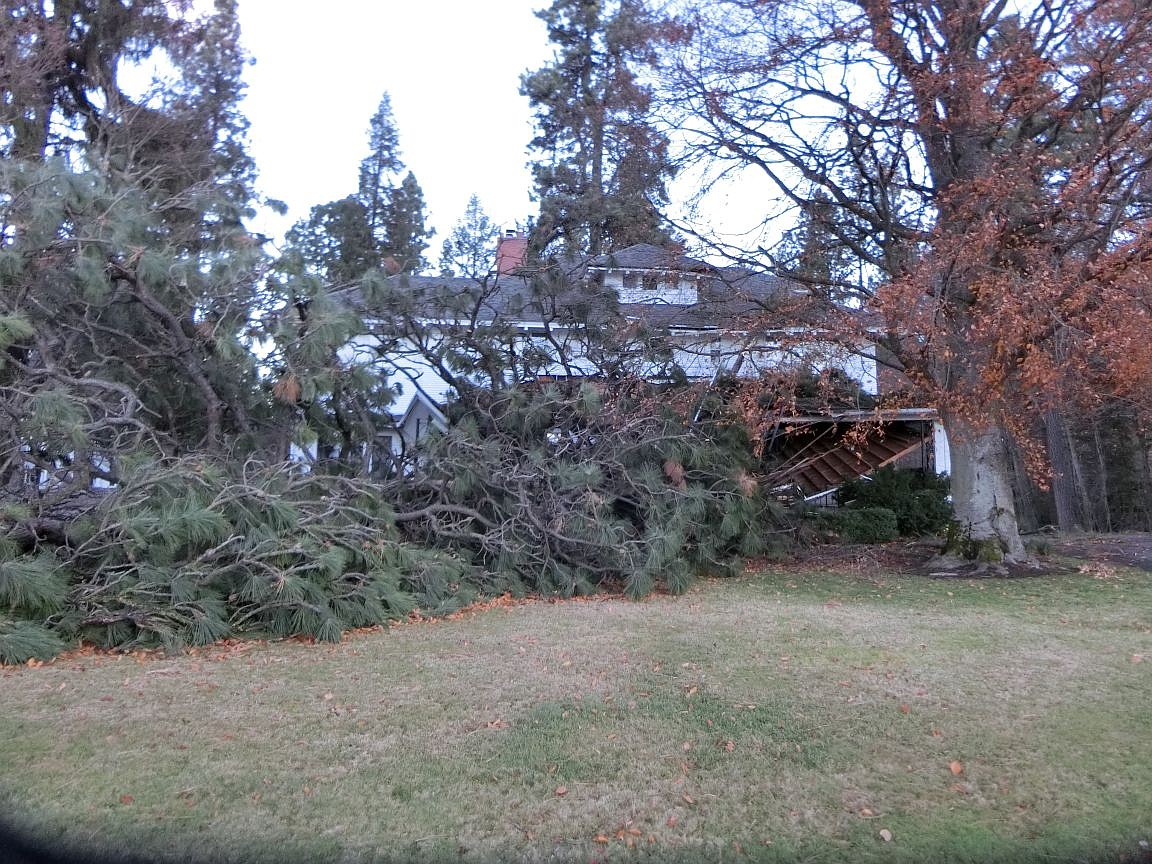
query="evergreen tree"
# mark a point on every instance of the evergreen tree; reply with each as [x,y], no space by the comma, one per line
[59,64]
[381,168]
[815,254]
[335,242]
[470,249]
[210,94]
[381,225]
[405,237]
[601,174]
[392,199]
[128,284]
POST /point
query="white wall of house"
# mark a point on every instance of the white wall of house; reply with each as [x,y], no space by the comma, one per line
[699,353]
[416,423]
[702,353]
[648,286]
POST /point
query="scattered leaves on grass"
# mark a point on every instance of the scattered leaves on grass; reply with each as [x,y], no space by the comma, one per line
[726,745]
[561,791]
[956,767]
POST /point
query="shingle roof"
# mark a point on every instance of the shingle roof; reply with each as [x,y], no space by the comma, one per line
[572,289]
[645,256]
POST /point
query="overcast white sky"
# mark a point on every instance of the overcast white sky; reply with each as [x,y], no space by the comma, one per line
[452,68]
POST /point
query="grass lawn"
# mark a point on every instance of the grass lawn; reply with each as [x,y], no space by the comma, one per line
[779,716]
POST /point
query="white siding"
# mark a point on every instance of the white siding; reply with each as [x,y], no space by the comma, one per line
[648,286]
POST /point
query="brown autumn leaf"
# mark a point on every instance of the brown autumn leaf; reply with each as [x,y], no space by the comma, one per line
[956,767]
[885,835]
[936,733]
[287,388]
[904,708]
[672,820]
[688,799]
[126,799]
[600,838]
[561,791]
[674,471]
[727,745]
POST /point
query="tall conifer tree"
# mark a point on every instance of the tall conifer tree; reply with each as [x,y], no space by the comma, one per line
[380,170]
[601,173]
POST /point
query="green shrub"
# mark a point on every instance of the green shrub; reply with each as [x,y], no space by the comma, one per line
[920,502]
[860,525]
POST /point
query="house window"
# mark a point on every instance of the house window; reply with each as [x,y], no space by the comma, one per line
[651,281]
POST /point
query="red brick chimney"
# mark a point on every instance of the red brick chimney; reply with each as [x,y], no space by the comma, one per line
[510,251]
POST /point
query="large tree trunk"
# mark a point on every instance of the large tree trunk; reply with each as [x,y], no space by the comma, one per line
[982,489]
[1066,488]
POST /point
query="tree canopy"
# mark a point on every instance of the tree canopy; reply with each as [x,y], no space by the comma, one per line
[987,164]
[381,225]
[602,169]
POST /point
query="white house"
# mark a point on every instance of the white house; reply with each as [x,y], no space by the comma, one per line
[715,320]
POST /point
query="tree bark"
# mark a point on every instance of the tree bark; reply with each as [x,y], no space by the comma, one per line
[982,489]
[1065,489]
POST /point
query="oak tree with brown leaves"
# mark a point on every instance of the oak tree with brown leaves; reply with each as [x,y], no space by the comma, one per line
[988,165]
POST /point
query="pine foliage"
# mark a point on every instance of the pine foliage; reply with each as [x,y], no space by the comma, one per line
[569,491]
[192,551]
